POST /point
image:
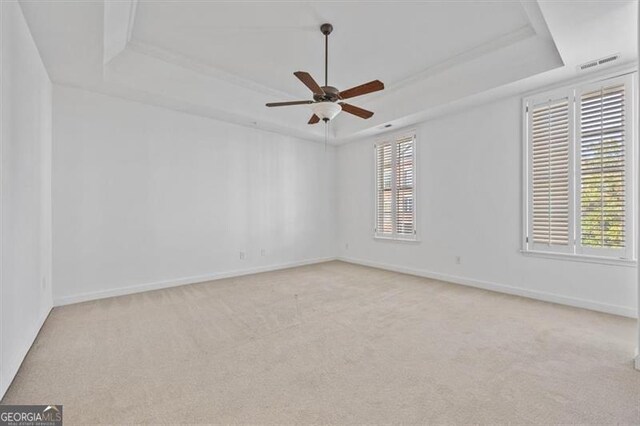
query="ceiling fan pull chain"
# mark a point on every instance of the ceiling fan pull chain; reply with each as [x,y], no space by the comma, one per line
[326,134]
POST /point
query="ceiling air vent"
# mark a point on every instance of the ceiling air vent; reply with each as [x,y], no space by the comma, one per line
[599,62]
[608,59]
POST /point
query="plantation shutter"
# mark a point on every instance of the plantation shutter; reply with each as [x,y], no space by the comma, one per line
[580,157]
[395,189]
[603,170]
[404,187]
[384,189]
[550,202]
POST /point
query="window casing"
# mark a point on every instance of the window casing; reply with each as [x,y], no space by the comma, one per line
[579,170]
[395,183]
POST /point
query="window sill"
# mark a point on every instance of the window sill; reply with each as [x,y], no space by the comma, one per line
[396,239]
[581,258]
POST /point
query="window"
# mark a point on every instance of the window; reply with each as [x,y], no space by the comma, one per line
[395,189]
[579,160]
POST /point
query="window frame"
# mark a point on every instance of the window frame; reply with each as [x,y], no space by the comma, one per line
[394,236]
[575,251]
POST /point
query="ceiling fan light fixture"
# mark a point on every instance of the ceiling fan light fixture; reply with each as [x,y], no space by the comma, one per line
[326,110]
[327,100]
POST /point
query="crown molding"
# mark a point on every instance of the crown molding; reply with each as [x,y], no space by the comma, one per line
[461,58]
[184,61]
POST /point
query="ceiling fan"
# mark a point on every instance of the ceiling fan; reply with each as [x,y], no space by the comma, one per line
[327,100]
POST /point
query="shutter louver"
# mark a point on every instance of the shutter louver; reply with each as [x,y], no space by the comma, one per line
[550,173]
[602,168]
[384,190]
[404,187]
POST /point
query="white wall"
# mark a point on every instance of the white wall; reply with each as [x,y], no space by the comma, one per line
[469,205]
[25,192]
[146,197]
[637,360]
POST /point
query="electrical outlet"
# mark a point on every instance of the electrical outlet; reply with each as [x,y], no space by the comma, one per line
[458,260]
[263,252]
[242,255]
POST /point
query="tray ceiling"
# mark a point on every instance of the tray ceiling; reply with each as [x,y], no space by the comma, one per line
[226,59]
[257,41]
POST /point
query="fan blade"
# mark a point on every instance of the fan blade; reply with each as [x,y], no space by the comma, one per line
[277,104]
[314,119]
[363,89]
[308,81]
[362,113]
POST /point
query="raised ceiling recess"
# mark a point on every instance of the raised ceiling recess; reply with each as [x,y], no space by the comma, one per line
[226,60]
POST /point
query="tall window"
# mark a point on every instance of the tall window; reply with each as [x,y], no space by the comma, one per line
[580,170]
[395,189]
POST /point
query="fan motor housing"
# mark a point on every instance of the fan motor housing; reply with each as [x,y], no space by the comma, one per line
[331,94]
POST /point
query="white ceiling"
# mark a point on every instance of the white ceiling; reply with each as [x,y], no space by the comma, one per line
[388,41]
[226,59]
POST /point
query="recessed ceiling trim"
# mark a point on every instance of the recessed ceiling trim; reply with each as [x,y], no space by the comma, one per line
[201,68]
[475,52]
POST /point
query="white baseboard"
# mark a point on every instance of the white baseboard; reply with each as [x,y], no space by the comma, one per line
[502,288]
[13,365]
[121,291]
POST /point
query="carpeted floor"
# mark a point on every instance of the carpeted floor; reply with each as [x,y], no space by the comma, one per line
[331,343]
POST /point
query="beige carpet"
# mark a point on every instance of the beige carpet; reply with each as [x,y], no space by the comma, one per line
[331,343]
